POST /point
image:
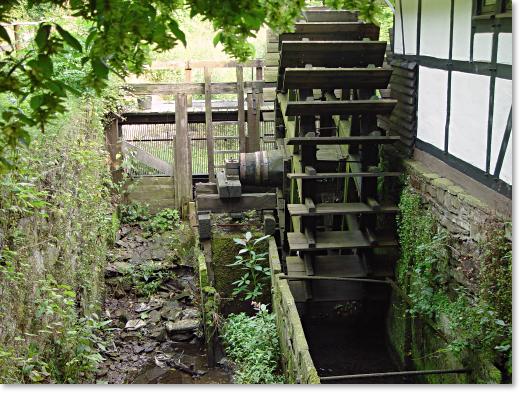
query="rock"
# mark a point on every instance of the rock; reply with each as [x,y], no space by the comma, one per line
[182,336]
[121,314]
[135,324]
[116,269]
[137,349]
[158,333]
[119,293]
[159,254]
[182,326]
[154,317]
[170,310]
[149,347]
[190,313]
[101,372]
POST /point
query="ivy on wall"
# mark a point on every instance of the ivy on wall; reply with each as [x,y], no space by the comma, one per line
[479,323]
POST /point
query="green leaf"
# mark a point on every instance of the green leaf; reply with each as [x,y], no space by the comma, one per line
[217,38]
[4,35]
[101,70]
[42,35]
[69,39]
[261,239]
[178,33]
[248,236]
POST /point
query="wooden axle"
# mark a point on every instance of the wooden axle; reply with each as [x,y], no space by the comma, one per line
[334,278]
[398,373]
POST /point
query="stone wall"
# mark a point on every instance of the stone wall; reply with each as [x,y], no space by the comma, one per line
[422,342]
[297,362]
[465,217]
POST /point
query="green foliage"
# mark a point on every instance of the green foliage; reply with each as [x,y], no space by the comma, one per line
[56,220]
[370,11]
[166,220]
[114,38]
[252,343]
[481,322]
[147,278]
[257,274]
[134,212]
[72,343]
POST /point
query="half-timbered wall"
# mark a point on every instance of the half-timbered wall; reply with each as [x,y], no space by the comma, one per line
[464,91]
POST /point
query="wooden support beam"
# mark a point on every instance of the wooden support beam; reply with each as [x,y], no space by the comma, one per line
[146,158]
[113,144]
[182,157]
[240,109]
[208,125]
[247,202]
[253,117]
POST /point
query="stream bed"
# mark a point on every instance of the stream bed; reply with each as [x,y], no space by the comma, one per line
[152,300]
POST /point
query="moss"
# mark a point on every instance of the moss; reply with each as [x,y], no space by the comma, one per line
[224,251]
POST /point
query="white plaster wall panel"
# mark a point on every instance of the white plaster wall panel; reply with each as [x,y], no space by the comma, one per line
[462,29]
[435,28]
[431,115]
[409,8]
[482,47]
[501,108]
[505,48]
[469,118]
[397,36]
[506,173]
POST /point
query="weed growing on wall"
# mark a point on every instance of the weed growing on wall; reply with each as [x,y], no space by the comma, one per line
[56,221]
[480,322]
[257,274]
[251,343]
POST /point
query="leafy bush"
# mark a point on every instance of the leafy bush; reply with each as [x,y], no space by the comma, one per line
[72,343]
[252,344]
[133,213]
[147,278]
[165,220]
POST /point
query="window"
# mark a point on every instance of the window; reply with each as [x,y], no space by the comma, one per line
[492,7]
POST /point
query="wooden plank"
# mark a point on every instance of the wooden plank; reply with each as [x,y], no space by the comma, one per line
[341,240]
[334,175]
[330,16]
[208,125]
[344,107]
[338,209]
[356,140]
[326,31]
[247,202]
[240,109]
[332,53]
[338,78]
[169,64]
[146,158]
[182,157]
[188,88]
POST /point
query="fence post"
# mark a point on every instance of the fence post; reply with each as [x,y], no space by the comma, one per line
[182,157]
[241,109]
[208,124]
[113,143]
[188,79]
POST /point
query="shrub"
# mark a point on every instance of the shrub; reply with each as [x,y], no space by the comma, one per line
[251,343]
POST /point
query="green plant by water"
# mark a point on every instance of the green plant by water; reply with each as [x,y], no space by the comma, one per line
[251,342]
[257,275]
